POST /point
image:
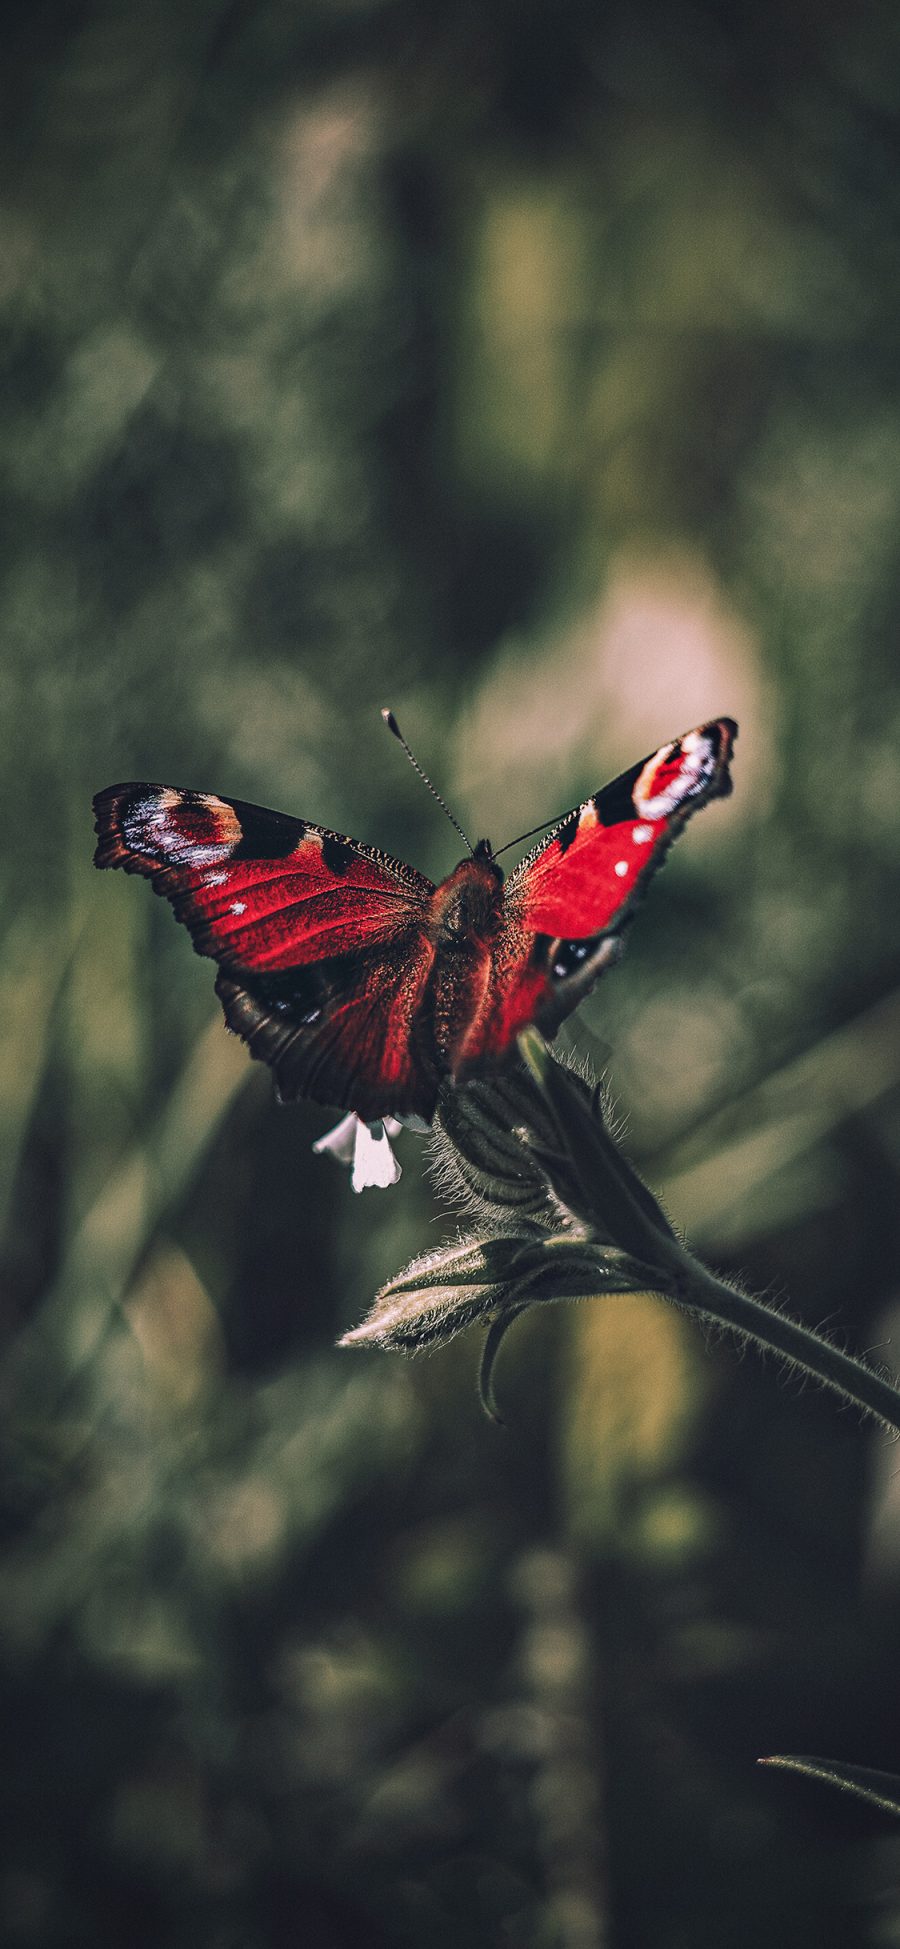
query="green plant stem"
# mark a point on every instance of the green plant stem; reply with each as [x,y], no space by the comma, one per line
[619,1205]
[701,1292]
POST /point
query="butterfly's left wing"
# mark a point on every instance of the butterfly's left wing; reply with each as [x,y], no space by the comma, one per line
[567,904]
[323,953]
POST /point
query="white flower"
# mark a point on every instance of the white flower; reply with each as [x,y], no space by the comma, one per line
[365,1147]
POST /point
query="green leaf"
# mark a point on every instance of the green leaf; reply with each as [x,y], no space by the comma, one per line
[483,1154]
[497,1332]
[437,1296]
[603,1187]
[880,1789]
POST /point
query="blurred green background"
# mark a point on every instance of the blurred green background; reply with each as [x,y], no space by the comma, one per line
[534,370]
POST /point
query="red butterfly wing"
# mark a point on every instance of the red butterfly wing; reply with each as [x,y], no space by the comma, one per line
[355,980]
[567,903]
[323,955]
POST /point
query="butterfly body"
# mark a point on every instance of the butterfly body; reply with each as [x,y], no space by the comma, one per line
[358,981]
[467,907]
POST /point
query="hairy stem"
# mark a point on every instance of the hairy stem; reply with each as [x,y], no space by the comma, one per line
[701,1292]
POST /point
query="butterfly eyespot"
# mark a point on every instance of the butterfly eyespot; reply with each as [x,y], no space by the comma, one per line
[569,955]
[677,773]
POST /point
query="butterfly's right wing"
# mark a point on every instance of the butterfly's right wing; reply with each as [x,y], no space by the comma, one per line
[566,905]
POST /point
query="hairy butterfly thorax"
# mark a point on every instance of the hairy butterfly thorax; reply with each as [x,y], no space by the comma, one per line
[467,908]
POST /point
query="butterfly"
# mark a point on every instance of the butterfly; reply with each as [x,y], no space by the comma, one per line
[359,982]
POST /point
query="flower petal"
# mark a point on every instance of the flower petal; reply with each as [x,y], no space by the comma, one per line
[365,1148]
[374,1162]
[340,1142]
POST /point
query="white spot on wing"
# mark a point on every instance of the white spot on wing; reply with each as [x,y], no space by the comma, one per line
[621,868]
[239,906]
[642,835]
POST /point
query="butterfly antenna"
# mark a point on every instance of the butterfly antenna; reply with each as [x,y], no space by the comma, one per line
[392,725]
[526,835]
